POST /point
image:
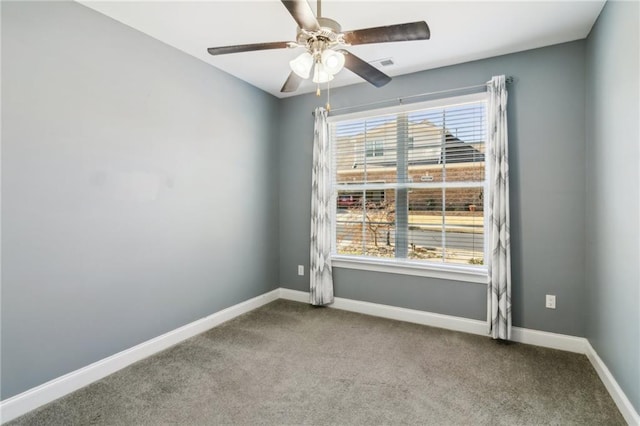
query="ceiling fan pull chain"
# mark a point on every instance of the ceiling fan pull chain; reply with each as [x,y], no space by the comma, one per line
[318,90]
[328,108]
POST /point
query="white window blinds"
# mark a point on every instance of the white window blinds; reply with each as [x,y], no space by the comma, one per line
[409,184]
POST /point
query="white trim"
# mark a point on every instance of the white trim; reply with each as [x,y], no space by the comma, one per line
[63,385]
[449,322]
[294,295]
[624,405]
[393,312]
[411,315]
[476,275]
[546,339]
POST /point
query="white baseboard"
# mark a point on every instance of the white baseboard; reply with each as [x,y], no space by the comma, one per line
[295,295]
[624,405]
[33,398]
[522,335]
[396,313]
[549,340]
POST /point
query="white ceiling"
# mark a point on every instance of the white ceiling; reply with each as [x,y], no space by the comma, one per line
[460,31]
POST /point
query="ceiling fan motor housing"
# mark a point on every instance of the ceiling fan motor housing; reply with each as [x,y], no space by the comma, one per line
[329,34]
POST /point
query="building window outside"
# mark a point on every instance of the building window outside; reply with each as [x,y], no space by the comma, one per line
[374,148]
[410,142]
[423,201]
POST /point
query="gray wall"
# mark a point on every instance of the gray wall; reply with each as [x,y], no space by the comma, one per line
[613,164]
[138,190]
[546,131]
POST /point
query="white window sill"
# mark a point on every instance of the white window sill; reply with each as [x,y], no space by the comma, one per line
[477,275]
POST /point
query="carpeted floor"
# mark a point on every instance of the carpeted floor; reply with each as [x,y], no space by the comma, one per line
[290,363]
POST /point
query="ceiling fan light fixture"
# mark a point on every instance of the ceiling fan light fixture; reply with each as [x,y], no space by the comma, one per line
[333,61]
[302,65]
[320,74]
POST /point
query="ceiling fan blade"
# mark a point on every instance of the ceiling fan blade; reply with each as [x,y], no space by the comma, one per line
[365,70]
[399,32]
[292,83]
[302,13]
[247,47]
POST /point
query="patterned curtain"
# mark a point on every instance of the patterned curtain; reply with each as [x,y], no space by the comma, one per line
[321,291]
[499,258]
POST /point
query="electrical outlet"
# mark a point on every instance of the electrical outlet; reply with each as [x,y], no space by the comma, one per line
[550,301]
[300,270]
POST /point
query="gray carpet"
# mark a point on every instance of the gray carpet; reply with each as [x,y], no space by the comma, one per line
[290,363]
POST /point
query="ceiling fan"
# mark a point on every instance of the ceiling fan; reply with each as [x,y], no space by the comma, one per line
[324,42]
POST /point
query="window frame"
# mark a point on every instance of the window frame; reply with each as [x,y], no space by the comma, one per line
[440,270]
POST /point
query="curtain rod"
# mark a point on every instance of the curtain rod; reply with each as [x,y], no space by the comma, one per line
[508,80]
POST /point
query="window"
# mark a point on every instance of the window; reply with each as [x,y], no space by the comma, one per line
[421,205]
[410,142]
[374,148]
